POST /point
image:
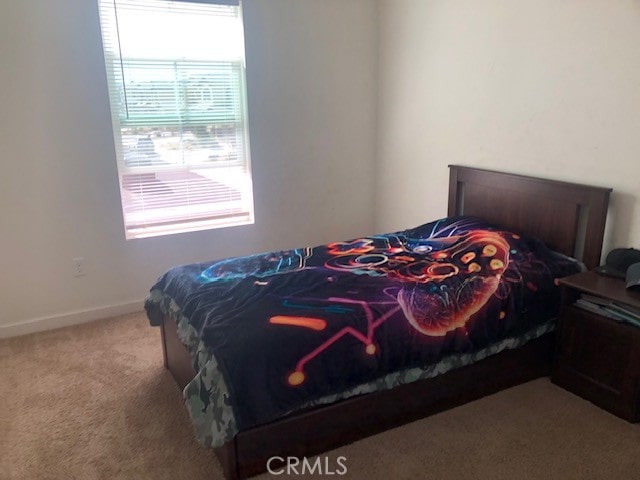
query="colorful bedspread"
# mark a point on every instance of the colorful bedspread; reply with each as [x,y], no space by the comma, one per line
[276,332]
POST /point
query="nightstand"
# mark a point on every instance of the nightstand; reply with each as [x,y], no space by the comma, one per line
[597,357]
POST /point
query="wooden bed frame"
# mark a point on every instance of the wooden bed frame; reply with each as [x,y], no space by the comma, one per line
[569,217]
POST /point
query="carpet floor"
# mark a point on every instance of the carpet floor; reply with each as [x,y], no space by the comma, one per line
[94,402]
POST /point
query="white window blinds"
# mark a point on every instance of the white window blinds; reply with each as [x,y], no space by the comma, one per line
[176,78]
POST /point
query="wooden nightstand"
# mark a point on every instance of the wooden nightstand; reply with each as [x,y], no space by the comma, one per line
[597,357]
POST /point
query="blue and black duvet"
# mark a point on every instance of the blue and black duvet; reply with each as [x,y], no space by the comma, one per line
[276,332]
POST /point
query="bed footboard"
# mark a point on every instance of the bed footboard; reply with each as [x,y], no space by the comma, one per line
[176,357]
[178,361]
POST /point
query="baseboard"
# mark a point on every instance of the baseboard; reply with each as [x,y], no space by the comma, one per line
[68,319]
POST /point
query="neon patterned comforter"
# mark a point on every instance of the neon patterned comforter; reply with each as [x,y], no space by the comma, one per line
[277,332]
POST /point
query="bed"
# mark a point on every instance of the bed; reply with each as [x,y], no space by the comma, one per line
[569,218]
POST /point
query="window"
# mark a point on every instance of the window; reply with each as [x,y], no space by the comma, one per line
[176,78]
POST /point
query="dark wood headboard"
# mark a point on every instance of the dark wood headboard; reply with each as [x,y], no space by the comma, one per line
[568,217]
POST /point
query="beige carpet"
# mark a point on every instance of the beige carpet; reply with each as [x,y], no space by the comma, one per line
[94,402]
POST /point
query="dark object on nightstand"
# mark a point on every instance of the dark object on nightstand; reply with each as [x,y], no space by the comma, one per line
[598,357]
[618,262]
[633,276]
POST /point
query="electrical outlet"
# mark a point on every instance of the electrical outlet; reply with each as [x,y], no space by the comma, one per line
[78,267]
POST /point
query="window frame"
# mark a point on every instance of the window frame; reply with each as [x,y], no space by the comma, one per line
[194,217]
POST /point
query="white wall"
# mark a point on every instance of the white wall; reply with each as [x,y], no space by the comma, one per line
[539,87]
[311,89]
